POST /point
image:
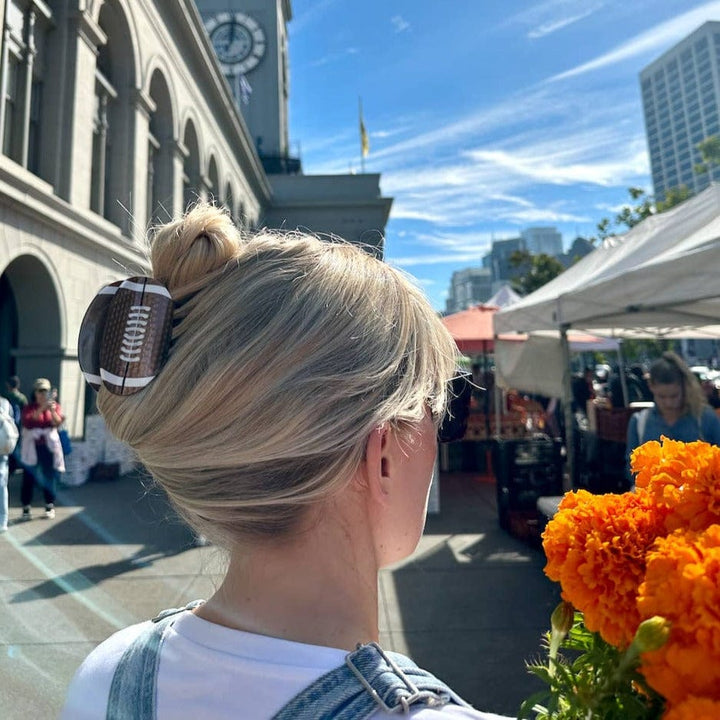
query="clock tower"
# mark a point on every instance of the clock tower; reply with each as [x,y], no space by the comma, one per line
[250,40]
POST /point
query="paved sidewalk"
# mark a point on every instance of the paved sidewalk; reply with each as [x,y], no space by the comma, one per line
[470,604]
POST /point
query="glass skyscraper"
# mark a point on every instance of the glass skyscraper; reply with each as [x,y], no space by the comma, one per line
[681,95]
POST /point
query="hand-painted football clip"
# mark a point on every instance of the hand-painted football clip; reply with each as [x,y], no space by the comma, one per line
[125,335]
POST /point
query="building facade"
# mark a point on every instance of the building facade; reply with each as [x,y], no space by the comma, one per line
[117,114]
[543,240]
[681,104]
[468,287]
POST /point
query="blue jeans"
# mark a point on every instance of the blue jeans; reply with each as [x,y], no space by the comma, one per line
[3,491]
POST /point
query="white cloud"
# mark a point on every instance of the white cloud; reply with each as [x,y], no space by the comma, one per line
[315,10]
[399,23]
[543,215]
[552,26]
[433,259]
[658,38]
[333,57]
[492,183]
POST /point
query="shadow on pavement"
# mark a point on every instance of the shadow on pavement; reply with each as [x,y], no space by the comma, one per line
[130,511]
[474,607]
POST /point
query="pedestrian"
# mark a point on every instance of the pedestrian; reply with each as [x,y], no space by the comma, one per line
[293,424]
[680,410]
[583,390]
[41,451]
[17,402]
[8,439]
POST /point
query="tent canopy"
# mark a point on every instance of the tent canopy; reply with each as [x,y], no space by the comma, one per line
[538,364]
[661,279]
[472,329]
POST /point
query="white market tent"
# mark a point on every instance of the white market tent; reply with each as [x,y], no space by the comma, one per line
[660,279]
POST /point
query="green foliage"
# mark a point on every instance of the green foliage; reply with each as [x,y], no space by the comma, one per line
[642,206]
[674,196]
[709,152]
[591,681]
[643,350]
[534,271]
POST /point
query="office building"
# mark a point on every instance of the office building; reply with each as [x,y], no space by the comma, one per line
[468,287]
[542,240]
[681,99]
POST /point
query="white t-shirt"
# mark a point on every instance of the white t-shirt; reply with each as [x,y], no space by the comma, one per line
[210,671]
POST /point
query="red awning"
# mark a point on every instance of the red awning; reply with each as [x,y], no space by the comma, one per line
[472,329]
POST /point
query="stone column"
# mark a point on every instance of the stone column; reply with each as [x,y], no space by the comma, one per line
[144,107]
[180,153]
[78,168]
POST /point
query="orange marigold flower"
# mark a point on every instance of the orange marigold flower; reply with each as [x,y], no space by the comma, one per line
[682,583]
[685,477]
[694,708]
[596,547]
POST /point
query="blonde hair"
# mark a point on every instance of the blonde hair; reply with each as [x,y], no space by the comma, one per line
[670,369]
[287,351]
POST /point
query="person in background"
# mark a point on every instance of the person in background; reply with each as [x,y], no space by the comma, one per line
[643,388]
[17,402]
[583,390]
[6,417]
[294,424]
[680,410]
[41,451]
[711,392]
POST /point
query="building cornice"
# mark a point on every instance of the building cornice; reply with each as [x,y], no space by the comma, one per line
[36,199]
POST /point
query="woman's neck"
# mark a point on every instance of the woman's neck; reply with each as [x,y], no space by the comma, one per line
[319,588]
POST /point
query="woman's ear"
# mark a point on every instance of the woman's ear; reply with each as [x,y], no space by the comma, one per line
[378,461]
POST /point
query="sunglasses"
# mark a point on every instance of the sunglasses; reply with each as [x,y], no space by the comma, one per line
[454,422]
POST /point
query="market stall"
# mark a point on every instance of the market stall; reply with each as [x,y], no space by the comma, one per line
[660,279]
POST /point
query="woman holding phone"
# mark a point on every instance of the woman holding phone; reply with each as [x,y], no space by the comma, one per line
[41,451]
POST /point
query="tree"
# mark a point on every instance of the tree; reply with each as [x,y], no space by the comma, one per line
[535,270]
[642,206]
[709,149]
[631,215]
[674,196]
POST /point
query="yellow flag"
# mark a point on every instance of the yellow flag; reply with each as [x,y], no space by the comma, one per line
[364,140]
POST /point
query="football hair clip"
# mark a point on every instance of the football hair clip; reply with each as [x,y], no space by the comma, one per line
[125,335]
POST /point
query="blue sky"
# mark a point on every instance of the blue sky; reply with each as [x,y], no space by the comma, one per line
[484,117]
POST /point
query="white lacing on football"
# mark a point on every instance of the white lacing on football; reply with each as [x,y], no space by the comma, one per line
[134,334]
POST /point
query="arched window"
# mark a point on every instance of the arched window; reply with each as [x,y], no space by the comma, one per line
[214,194]
[23,74]
[160,153]
[114,122]
[228,202]
[191,166]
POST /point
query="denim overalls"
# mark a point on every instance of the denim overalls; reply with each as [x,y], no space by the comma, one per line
[370,680]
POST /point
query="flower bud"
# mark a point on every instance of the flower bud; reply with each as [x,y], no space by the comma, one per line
[652,634]
[562,618]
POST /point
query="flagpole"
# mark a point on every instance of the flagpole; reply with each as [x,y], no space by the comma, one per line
[362,127]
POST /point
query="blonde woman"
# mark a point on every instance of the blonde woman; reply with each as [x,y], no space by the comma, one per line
[314,377]
[680,410]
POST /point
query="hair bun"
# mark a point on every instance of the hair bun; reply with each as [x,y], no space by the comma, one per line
[186,254]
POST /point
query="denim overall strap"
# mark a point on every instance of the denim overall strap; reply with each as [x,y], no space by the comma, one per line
[370,680]
[134,684]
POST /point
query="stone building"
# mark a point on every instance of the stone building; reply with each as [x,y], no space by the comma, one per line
[115,115]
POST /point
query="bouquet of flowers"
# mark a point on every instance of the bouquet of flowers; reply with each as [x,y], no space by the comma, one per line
[637,635]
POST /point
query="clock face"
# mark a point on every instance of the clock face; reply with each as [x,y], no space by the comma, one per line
[238,41]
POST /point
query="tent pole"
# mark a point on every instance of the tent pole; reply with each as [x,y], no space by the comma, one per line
[621,370]
[567,406]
